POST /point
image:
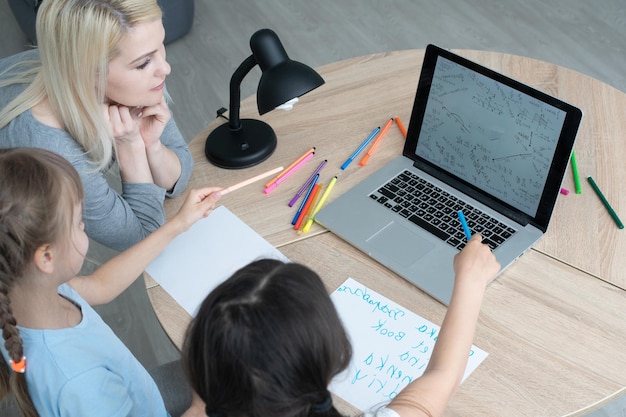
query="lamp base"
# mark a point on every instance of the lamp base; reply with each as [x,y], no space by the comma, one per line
[253,143]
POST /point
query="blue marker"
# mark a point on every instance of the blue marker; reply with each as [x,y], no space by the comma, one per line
[360,148]
[466,229]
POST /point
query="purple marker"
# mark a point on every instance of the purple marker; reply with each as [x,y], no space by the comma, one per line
[307,183]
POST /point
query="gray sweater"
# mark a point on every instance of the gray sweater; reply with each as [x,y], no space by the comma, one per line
[112,219]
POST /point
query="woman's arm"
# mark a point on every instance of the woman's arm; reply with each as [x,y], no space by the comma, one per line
[429,395]
[141,154]
[164,164]
[130,148]
[114,276]
[173,140]
[117,217]
[119,220]
[116,220]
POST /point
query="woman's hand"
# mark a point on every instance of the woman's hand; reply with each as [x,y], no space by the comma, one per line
[130,148]
[124,123]
[138,123]
[152,121]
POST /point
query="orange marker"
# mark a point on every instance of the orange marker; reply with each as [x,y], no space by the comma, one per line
[401,126]
[308,206]
[375,143]
[289,167]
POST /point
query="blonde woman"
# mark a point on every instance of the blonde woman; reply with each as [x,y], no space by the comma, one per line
[94,92]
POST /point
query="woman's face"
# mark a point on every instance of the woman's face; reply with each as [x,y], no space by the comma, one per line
[136,76]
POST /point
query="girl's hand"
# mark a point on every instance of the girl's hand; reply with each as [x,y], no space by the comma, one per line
[152,121]
[198,204]
[476,262]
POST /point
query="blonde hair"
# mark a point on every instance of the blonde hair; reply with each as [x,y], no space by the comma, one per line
[39,191]
[77,39]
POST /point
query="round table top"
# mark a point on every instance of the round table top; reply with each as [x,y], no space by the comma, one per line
[548,322]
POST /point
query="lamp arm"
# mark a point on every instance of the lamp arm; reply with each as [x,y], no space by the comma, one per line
[235,91]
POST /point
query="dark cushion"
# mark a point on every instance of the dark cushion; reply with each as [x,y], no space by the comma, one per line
[177,17]
[25,12]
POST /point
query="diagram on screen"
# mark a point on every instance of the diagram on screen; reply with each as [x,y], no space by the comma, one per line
[489,134]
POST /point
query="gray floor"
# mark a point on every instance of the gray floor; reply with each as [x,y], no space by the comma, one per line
[587,36]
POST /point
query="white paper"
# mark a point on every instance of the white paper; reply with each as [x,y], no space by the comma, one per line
[207,254]
[391,346]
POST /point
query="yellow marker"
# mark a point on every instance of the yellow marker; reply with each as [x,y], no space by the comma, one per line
[319,205]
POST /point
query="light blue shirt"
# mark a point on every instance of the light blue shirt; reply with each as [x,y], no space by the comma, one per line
[86,370]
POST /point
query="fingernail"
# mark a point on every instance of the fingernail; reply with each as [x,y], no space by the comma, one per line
[139,114]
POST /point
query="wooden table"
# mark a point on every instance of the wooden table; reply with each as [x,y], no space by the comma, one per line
[554,331]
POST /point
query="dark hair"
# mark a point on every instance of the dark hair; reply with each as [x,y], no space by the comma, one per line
[267,342]
[38,192]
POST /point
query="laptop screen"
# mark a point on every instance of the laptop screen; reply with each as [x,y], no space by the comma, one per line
[491,133]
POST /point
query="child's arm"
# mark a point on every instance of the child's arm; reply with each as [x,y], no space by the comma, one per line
[429,395]
[114,276]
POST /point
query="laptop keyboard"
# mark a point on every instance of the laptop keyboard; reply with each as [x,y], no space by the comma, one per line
[435,210]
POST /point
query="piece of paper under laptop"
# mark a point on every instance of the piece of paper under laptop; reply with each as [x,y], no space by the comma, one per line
[391,346]
[207,254]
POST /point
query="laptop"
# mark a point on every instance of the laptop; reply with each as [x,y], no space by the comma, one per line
[477,142]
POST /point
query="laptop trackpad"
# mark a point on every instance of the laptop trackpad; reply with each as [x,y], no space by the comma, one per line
[399,244]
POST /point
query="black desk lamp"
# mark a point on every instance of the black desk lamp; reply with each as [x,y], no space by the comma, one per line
[242,143]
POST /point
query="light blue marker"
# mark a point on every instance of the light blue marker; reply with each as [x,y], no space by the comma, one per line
[466,229]
[360,148]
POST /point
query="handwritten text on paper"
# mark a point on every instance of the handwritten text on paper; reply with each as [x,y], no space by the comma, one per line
[391,346]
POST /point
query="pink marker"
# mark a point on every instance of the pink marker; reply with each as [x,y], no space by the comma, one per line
[564,191]
[284,176]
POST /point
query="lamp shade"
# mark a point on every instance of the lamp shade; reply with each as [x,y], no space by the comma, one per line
[246,142]
[284,82]
[282,79]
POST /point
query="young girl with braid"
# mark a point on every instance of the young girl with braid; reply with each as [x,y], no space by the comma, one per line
[59,357]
